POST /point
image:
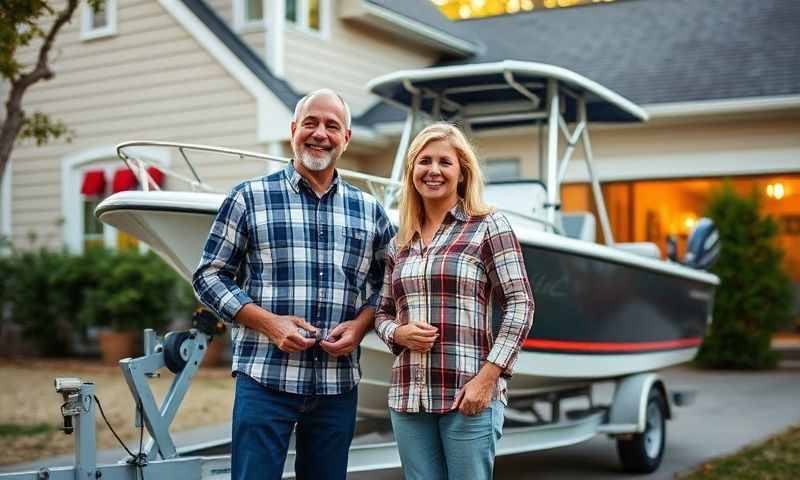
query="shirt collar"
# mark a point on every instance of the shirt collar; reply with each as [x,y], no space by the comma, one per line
[294,179]
[458,212]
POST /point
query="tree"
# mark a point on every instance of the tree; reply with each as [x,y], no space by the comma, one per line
[21,23]
[754,297]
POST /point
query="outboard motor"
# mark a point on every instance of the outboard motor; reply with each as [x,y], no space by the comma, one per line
[702,249]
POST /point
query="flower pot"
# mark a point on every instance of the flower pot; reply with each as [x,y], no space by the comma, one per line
[118,345]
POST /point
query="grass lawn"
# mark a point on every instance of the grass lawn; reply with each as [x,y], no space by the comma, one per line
[775,459]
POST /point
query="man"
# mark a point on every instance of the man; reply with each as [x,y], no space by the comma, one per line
[294,261]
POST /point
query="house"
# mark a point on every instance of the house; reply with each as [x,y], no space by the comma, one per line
[719,78]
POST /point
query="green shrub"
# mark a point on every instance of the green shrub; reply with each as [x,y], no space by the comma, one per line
[136,292]
[34,302]
[754,296]
[51,295]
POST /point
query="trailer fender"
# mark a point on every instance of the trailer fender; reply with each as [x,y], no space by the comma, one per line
[629,406]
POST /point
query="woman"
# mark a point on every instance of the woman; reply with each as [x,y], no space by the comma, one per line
[452,257]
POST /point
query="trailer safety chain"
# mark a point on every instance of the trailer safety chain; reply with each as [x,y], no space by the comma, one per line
[140,459]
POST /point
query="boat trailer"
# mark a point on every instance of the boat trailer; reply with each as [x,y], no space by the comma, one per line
[636,418]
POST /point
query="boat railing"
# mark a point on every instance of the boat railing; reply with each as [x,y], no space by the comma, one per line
[139,164]
[552,226]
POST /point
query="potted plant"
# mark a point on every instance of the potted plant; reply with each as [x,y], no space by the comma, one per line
[136,291]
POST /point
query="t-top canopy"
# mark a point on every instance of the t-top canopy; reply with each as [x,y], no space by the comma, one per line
[502,93]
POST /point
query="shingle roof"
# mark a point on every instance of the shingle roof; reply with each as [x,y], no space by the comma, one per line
[650,51]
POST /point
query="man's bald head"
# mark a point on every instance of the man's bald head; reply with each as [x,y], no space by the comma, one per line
[298,109]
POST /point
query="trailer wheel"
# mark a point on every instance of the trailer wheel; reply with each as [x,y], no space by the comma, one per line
[174,357]
[643,452]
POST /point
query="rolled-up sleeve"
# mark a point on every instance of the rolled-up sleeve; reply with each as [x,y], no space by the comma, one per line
[214,280]
[386,322]
[502,256]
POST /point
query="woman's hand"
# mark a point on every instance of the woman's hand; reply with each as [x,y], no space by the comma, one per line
[476,394]
[416,336]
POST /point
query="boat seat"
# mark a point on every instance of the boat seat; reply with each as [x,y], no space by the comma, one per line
[643,249]
[522,199]
[579,225]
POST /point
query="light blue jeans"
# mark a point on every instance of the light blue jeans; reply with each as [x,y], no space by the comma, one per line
[442,446]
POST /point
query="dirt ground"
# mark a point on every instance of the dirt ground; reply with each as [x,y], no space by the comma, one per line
[28,399]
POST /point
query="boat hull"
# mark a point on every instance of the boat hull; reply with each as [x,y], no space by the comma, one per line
[600,314]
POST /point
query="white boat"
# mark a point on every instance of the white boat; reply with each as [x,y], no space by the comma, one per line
[602,311]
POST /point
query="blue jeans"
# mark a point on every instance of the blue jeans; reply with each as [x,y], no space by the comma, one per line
[263,420]
[441,446]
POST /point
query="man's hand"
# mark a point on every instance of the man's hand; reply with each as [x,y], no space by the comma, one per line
[476,394]
[344,338]
[283,330]
[416,336]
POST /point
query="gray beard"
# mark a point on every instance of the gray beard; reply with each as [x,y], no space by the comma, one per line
[313,163]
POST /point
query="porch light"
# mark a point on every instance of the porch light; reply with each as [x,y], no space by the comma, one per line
[775,190]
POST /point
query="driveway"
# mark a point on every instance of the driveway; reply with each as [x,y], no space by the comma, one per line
[731,410]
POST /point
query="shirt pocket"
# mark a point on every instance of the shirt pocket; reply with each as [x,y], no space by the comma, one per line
[353,247]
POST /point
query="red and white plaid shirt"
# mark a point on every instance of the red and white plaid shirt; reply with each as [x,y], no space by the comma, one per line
[451,284]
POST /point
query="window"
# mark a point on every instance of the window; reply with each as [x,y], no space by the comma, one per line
[92,227]
[88,177]
[500,170]
[253,11]
[100,23]
[307,14]
[248,14]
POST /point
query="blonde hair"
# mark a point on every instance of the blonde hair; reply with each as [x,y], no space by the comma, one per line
[470,190]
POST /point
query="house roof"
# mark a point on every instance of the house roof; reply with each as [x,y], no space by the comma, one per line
[427,23]
[649,51]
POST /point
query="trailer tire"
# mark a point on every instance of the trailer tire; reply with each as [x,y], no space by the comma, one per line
[643,452]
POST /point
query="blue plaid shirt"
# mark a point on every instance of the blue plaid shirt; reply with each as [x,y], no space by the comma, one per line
[277,244]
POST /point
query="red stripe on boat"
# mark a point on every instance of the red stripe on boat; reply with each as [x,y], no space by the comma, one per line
[611,346]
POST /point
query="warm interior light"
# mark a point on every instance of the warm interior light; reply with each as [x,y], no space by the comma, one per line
[689,222]
[464,11]
[776,191]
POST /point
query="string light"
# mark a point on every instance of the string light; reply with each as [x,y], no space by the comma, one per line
[464,9]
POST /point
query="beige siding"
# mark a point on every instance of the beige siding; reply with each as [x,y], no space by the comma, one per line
[657,150]
[350,56]
[150,81]
[695,148]
[223,8]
